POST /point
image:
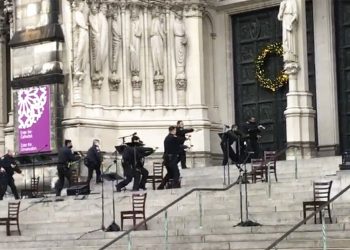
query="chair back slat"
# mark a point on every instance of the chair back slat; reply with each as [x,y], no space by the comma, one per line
[138,202]
[34,184]
[322,190]
[158,169]
[13,209]
[269,155]
[256,163]
[74,176]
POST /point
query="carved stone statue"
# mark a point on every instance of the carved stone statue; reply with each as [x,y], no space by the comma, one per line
[180,46]
[44,13]
[135,42]
[158,37]
[288,14]
[104,32]
[80,36]
[95,36]
[116,47]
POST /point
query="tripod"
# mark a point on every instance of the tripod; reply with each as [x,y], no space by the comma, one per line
[243,180]
[113,227]
[102,228]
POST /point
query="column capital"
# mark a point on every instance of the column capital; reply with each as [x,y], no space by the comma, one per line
[194,9]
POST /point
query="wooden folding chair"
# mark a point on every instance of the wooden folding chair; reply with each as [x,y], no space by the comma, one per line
[12,217]
[33,191]
[157,176]
[322,193]
[138,210]
[270,159]
[258,170]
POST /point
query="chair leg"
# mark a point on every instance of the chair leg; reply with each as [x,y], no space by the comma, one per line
[121,223]
[304,214]
[134,221]
[329,214]
[276,175]
[144,219]
[8,231]
[19,230]
[154,184]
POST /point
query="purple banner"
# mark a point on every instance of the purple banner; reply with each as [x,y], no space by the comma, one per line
[33,117]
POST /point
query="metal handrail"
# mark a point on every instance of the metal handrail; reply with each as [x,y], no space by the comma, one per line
[275,243]
[279,153]
[164,209]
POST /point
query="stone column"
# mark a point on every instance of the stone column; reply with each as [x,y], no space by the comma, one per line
[116,41]
[3,85]
[194,58]
[124,58]
[136,34]
[79,48]
[326,79]
[169,52]
[300,115]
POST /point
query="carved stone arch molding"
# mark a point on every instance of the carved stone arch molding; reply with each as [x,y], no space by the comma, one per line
[209,35]
[207,15]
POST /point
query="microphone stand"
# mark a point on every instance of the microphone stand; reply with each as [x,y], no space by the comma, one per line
[102,228]
[247,222]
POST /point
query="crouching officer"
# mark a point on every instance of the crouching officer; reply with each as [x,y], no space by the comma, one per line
[133,164]
[8,167]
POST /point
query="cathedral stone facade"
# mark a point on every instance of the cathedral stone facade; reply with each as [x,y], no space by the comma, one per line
[139,66]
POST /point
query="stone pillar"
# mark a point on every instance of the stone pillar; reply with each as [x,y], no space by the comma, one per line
[159,87]
[3,86]
[326,79]
[169,48]
[79,52]
[194,64]
[300,115]
[147,89]
[113,88]
[124,51]
[136,34]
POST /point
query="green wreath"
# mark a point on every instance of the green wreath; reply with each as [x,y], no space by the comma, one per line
[264,81]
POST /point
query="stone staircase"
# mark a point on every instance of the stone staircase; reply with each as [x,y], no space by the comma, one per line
[58,225]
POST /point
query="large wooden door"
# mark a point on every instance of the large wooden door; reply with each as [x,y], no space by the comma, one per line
[251,32]
[342,21]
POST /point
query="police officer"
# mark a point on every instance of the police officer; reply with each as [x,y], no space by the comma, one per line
[252,131]
[181,134]
[65,157]
[8,167]
[133,164]
[94,160]
[172,147]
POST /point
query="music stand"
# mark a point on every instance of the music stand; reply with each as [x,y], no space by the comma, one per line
[113,227]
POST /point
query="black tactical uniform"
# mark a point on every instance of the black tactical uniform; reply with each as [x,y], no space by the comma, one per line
[94,161]
[8,163]
[65,156]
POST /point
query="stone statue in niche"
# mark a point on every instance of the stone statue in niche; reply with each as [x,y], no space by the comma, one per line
[80,38]
[180,49]
[158,38]
[44,13]
[103,23]
[95,37]
[135,42]
[288,14]
[116,47]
